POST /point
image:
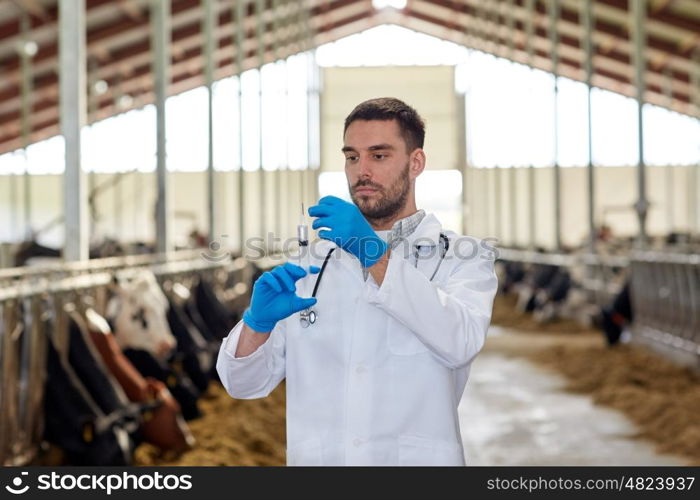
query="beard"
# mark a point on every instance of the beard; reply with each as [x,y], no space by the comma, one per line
[388,202]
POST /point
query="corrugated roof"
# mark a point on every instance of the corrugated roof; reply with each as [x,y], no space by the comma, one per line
[118,36]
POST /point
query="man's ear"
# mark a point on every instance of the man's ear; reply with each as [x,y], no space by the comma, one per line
[416,162]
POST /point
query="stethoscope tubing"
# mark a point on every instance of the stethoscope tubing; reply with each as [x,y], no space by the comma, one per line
[323,268]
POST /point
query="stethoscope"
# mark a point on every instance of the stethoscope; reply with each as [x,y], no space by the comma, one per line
[308,317]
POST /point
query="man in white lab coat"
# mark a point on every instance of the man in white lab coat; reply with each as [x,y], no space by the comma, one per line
[401,309]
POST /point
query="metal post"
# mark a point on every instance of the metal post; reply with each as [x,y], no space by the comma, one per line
[511,170]
[532,216]
[137,208]
[118,207]
[299,47]
[8,382]
[276,200]
[311,118]
[498,229]
[695,80]
[313,152]
[530,30]
[695,98]
[118,197]
[288,209]
[513,207]
[462,153]
[317,106]
[319,83]
[668,169]
[280,50]
[495,23]
[260,44]
[468,180]
[468,35]
[27,75]
[532,206]
[299,20]
[92,107]
[239,14]
[14,202]
[160,43]
[478,29]
[588,24]
[72,109]
[638,31]
[210,22]
[306,171]
[694,215]
[510,20]
[554,41]
[92,96]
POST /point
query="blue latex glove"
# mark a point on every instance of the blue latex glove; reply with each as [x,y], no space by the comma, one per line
[348,229]
[274,297]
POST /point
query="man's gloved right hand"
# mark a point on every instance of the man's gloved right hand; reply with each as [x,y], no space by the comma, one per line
[274,297]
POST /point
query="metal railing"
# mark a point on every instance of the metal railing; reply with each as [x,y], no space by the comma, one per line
[599,276]
[25,296]
[96,265]
[666,302]
[665,293]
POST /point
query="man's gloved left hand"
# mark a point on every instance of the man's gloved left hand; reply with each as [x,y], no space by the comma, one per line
[274,297]
[348,229]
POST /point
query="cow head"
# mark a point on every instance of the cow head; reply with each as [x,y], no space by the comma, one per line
[139,314]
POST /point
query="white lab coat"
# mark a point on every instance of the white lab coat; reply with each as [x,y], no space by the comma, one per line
[378,378]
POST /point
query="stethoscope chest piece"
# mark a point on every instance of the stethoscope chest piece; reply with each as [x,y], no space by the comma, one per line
[307,318]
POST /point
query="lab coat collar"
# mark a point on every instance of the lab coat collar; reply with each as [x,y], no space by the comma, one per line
[426,234]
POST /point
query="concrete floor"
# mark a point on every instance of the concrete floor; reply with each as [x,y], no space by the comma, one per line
[514,413]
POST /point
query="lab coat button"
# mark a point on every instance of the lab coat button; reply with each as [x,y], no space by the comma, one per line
[357,442]
[360,369]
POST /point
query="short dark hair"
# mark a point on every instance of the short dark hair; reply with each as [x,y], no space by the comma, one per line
[411,125]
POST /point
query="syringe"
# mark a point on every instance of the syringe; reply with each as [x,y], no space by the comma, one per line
[303,237]
[304,258]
